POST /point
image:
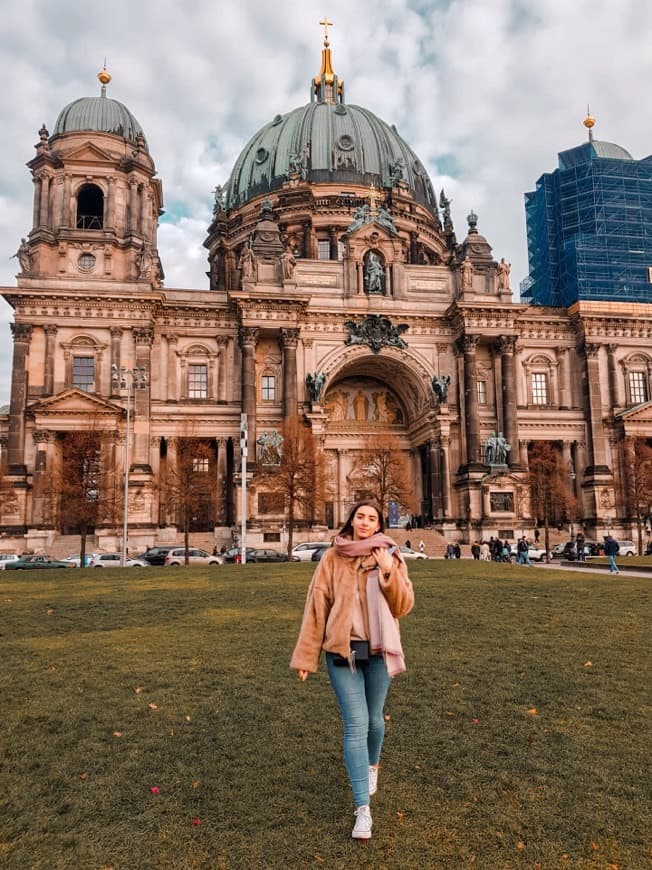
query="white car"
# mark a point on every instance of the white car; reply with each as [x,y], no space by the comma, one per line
[409,553]
[76,559]
[7,557]
[303,552]
[536,554]
[113,560]
[626,548]
[195,557]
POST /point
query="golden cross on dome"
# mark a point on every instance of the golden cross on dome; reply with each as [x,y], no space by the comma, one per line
[325,23]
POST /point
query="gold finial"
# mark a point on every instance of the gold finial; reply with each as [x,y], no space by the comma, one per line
[105,77]
[325,23]
[589,123]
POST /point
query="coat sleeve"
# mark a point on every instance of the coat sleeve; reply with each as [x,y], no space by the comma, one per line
[398,590]
[315,616]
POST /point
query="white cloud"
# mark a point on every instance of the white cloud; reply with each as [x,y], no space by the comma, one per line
[500,86]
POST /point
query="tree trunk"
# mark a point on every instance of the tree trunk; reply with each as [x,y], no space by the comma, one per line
[82,546]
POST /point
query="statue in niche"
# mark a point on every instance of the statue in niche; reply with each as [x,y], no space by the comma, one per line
[394,411]
[440,385]
[247,263]
[503,274]
[496,449]
[24,256]
[270,448]
[144,261]
[315,384]
[337,405]
[361,406]
[288,264]
[374,275]
[467,274]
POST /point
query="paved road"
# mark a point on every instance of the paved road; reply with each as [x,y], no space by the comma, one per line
[624,569]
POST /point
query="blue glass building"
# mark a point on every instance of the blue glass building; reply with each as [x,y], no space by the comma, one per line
[589,228]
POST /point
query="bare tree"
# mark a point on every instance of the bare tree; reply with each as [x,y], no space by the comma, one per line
[298,481]
[384,473]
[637,466]
[551,494]
[189,484]
[78,493]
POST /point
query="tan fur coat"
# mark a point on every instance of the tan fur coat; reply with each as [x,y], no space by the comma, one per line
[328,614]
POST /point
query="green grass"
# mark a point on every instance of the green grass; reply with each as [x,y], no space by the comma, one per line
[520,736]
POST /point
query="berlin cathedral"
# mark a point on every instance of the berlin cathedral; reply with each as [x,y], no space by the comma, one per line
[339,292]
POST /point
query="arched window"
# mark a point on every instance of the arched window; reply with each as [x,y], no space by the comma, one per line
[90,208]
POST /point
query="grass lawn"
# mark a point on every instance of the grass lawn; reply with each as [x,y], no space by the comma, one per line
[520,736]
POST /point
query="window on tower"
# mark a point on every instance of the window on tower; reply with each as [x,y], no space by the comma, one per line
[539,388]
[638,388]
[90,208]
[83,373]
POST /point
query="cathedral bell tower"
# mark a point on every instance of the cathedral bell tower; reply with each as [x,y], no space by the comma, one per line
[96,197]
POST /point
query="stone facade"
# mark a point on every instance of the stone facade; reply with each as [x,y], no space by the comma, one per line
[368,291]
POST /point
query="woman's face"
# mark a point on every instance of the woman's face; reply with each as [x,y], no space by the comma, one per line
[365,522]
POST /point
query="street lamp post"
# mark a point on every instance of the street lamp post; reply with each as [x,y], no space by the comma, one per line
[129,380]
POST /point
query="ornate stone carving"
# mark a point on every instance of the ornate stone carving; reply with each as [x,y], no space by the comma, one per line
[21,331]
[440,385]
[144,335]
[315,384]
[270,449]
[24,257]
[289,337]
[248,335]
[376,332]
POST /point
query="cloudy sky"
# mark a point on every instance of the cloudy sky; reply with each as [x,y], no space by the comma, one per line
[485,91]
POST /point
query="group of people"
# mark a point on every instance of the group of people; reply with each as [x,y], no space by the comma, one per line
[493,550]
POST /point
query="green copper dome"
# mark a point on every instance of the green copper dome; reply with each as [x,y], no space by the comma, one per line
[327,142]
[99,115]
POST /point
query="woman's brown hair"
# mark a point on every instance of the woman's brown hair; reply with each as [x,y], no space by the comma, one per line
[347,528]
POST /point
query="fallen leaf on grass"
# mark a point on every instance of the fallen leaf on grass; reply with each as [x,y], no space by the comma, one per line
[50,611]
[187,718]
[171,732]
[117,733]
[83,776]
[399,815]
[155,789]
[153,706]
[613,866]
[520,845]
[138,690]
[588,664]
[532,711]
[195,783]
[196,822]
[476,721]
[387,717]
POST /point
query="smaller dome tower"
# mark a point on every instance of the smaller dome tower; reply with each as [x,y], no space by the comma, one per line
[96,197]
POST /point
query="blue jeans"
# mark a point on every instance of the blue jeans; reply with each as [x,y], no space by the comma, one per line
[613,568]
[361,696]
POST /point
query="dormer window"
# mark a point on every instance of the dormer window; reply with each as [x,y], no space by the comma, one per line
[90,208]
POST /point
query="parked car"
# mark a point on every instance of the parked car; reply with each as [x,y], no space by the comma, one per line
[557,551]
[234,555]
[76,559]
[5,558]
[409,553]
[156,555]
[648,549]
[319,551]
[195,557]
[593,548]
[626,548]
[536,554]
[114,560]
[28,563]
[304,551]
[262,554]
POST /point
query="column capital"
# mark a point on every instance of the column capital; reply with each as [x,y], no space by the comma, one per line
[468,342]
[21,331]
[506,344]
[42,436]
[591,350]
[116,331]
[289,338]
[50,329]
[248,336]
[144,335]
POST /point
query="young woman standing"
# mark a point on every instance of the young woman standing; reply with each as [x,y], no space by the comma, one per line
[357,593]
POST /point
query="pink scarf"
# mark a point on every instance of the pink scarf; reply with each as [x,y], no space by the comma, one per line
[384,634]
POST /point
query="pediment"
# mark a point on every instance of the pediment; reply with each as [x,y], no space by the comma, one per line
[371,233]
[638,414]
[89,151]
[74,402]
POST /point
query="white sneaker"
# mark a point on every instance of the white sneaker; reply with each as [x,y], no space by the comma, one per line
[362,827]
[373,779]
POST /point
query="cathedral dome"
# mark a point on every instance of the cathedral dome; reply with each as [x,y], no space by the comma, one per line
[99,115]
[327,143]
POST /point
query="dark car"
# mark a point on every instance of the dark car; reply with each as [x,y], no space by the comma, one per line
[29,563]
[648,549]
[235,555]
[264,555]
[156,555]
[319,552]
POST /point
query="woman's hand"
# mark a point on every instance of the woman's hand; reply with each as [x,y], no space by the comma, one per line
[383,559]
[303,675]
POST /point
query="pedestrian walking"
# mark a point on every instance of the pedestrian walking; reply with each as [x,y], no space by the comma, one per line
[357,594]
[611,549]
[523,556]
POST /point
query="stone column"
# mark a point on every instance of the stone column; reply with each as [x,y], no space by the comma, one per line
[172,391]
[341,486]
[596,445]
[289,341]
[133,206]
[48,373]
[110,205]
[143,337]
[66,218]
[248,338]
[564,378]
[143,213]
[22,333]
[506,347]
[36,213]
[614,393]
[41,439]
[222,342]
[44,215]
[469,344]
[221,481]
[435,479]
[332,236]
[58,208]
[116,340]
